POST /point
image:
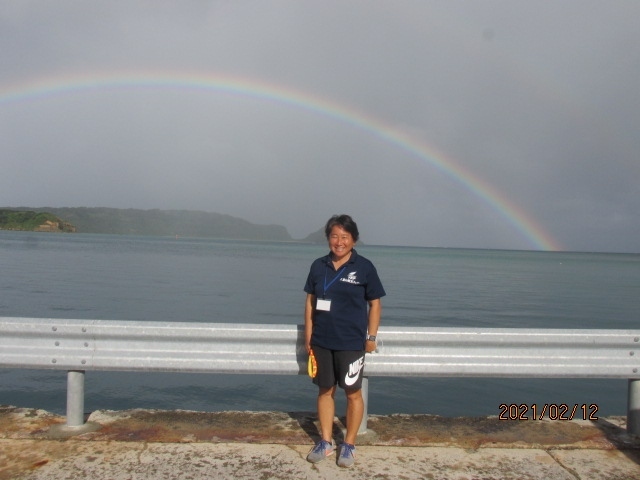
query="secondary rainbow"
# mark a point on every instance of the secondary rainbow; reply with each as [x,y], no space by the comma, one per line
[534,233]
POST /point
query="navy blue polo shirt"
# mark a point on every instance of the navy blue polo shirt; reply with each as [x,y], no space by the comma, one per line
[349,288]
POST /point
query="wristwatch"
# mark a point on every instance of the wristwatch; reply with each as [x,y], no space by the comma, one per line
[371,337]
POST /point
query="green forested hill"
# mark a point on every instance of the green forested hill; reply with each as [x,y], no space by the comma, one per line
[165,222]
[28,220]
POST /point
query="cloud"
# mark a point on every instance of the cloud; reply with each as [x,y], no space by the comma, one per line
[537,101]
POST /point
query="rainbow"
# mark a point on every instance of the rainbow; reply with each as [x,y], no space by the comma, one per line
[535,234]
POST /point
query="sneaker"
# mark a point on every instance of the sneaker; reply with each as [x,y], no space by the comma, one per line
[320,451]
[347,455]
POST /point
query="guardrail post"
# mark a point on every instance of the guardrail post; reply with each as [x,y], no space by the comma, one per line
[365,398]
[633,407]
[75,409]
[75,398]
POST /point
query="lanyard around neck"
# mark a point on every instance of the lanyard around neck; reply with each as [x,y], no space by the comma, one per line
[327,285]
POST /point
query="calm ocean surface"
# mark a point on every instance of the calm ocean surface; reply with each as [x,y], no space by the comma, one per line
[202,280]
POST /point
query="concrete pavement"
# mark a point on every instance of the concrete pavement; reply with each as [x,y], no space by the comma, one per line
[147,444]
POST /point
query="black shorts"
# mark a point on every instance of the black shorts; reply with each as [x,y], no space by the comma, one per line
[342,367]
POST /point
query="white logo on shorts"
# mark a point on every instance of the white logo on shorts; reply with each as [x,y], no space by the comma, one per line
[354,371]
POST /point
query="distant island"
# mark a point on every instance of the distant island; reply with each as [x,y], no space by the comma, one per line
[31,221]
[187,223]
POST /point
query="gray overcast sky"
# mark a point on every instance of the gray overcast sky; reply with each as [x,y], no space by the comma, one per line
[531,108]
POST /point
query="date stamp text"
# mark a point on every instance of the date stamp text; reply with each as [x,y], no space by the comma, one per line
[552,411]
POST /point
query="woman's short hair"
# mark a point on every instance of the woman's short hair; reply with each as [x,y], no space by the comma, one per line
[344,221]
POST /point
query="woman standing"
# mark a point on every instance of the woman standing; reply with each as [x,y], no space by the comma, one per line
[341,316]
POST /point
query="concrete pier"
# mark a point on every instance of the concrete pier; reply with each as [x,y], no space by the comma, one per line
[150,444]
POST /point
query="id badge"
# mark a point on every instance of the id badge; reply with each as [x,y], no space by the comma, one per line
[323,304]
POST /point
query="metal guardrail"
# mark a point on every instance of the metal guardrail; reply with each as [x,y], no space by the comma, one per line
[151,346]
[80,345]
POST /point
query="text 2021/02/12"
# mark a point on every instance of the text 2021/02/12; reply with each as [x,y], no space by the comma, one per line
[552,411]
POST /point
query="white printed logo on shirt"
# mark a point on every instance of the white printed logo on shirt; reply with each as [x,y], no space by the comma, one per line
[351,278]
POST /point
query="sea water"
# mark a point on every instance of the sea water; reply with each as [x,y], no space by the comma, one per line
[82,276]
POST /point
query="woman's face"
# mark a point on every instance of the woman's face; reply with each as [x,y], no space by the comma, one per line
[340,242]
